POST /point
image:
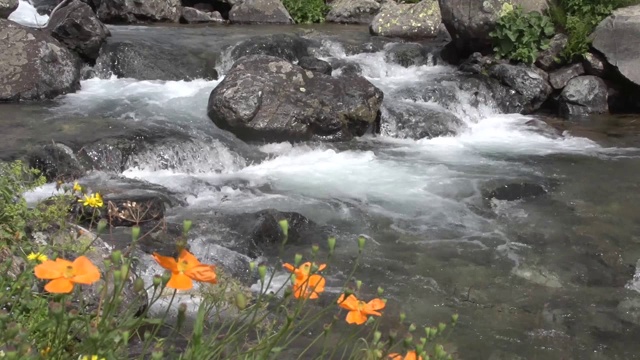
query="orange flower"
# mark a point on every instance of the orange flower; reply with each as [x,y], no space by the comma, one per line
[359,310]
[186,269]
[411,355]
[307,286]
[63,274]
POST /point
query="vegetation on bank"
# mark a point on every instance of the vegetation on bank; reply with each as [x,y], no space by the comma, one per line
[60,302]
[520,36]
[306,11]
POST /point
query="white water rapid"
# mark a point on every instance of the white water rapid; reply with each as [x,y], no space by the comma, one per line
[27,15]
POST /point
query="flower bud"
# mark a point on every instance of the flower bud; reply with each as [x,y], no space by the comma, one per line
[241,301]
[402,316]
[314,249]
[262,272]
[408,341]
[326,328]
[284,225]
[358,284]
[331,243]
[393,333]
[441,327]
[297,260]
[116,256]
[166,277]
[376,336]
[454,318]
[117,276]
[135,233]
[125,271]
[380,291]
[182,315]
[102,224]
[439,351]
[186,227]
[314,268]
[252,266]
[55,308]
[138,285]
[361,242]
[157,280]
[412,327]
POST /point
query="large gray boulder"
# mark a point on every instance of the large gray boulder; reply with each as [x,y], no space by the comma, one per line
[34,65]
[78,28]
[194,16]
[418,120]
[412,21]
[260,12]
[469,22]
[353,11]
[265,98]
[7,7]
[136,11]
[618,39]
[584,95]
[529,83]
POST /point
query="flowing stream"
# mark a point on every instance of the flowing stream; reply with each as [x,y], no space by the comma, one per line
[547,278]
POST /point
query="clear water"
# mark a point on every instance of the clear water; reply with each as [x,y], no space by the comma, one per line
[549,278]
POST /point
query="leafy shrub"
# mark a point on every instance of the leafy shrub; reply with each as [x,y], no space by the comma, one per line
[520,36]
[306,11]
[15,179]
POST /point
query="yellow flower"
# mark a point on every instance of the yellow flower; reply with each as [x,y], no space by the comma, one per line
[39,257]
[77,187]
[92,357]
[94,201]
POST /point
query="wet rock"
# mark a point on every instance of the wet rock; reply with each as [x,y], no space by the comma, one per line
[594,64]
[476,63]
[409,21]
[616,37]
[316,65]
[147,62]
[259,12]
[629,310]
[195,16]
[34,65]
[265,98]
[516,191]
[286,46]
[353,11]
[584,95]
[538,276]
[410,54]
[78,28]
[345,67]
[470,22]
[56,162]
[561,77]
[409,120]
[526,81]
[7,7]
[132,12]
[548,59]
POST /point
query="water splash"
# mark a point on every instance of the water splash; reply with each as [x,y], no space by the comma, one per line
[27,15]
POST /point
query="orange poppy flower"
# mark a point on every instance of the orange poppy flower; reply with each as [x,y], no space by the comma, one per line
[186,269]
[411,355]
[359,310]
[64,274]
[307,286]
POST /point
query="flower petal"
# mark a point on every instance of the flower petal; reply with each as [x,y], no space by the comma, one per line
[376,304]
[356,317]
[395,356]
[59,286]
[322,267]
[180,282]
[48,270]
[86,272]
[203,273]
[166,262]
[289,267]
[189,258]
[350,303]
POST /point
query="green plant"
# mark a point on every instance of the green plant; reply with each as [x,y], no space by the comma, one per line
[15,179]
[520,36]
[306,11]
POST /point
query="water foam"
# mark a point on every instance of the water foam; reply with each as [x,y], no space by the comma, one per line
[27,15]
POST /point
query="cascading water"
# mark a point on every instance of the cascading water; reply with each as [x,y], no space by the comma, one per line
[437,244]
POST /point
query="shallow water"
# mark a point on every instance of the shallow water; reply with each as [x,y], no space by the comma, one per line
[548,278]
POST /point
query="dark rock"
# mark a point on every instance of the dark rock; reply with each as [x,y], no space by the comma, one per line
[469,22]
[56,162]
[286,46]
[594,64]
[353,11]
[345,67]
[529,82]
[204,7]
[548,59]
[259,12]
[477,63]
[194,16]
[34,65]
[559,78]
[265,98]
[516,191]
[410,54]
[584,95]
[7,7]
[409,120]
[77,27]
[409,21]
[147,62]
[132,12]
[617,39]
[315,65]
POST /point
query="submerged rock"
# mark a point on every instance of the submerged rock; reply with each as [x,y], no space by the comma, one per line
[132,11]
[584,95]
[7,7]
[410,120]
[34,65]
[286,46]
[77,27]
[412,21]
[516,191]
[259,12]
[265,98]
[56,162]
[147,62]
[353,11]
[410,54]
